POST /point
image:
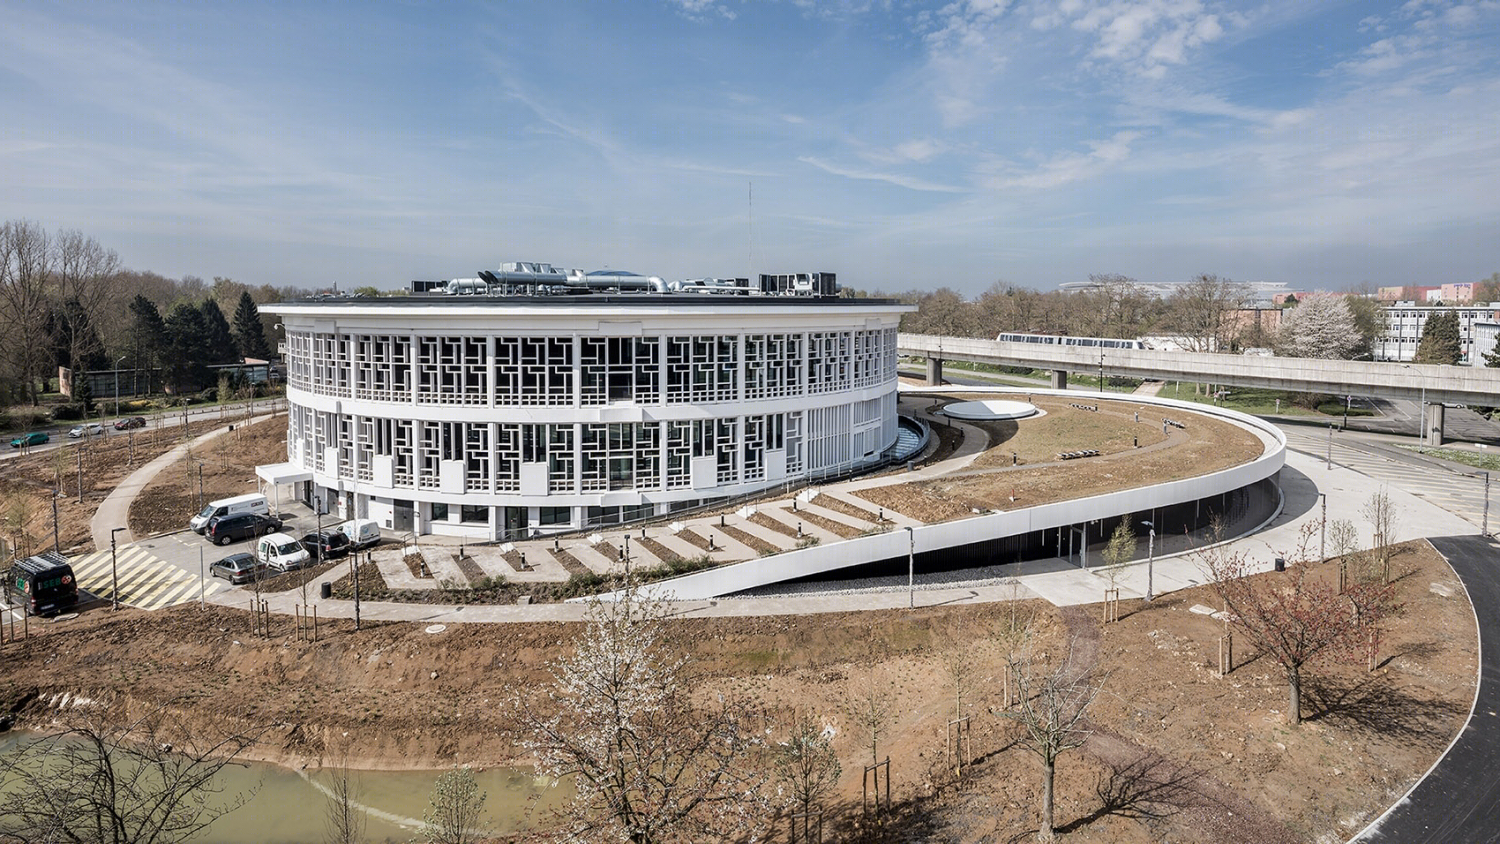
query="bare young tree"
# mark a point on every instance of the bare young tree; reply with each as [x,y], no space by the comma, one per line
[1013,633]
[648,762]
[16,509]
[456,811]
[870,710]
[1117,553]
[961,668]
[1380,512]
[343,818]
[1055,699]
[144,780]
[1294,617]
[806,764]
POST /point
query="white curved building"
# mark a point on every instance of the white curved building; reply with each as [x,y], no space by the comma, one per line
[499,417]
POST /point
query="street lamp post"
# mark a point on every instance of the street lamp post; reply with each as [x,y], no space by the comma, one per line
[117,383]
[1323,529]
[355,556]
[114,571]
[1343,426]
[1485,528]
[318,511]
[911,568]
[1150,560]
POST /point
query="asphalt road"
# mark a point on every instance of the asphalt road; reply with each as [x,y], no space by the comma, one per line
[159,419]
[1459,799]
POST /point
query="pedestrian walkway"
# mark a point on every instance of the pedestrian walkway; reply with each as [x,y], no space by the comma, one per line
[145,581]
[1453,487]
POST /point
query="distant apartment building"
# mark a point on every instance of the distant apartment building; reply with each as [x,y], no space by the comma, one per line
[1462,291]
[1447,294]
[1404,322]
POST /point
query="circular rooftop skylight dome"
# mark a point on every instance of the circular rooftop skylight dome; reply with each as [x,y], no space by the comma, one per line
[991,410]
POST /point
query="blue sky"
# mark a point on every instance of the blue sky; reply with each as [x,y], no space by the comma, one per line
[899,144]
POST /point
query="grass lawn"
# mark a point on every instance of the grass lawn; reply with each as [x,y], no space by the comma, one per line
[1257,402]
[1486,462]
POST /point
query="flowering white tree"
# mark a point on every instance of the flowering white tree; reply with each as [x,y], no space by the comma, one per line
[649,764]
[1319,327]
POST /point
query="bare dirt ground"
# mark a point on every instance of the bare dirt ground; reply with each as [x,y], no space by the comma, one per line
[1178,753]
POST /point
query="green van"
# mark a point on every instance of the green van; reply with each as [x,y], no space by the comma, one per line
[44,584]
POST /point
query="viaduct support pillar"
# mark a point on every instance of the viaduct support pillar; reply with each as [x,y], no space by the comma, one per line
[1432,424]
[934,372]
[1059,379]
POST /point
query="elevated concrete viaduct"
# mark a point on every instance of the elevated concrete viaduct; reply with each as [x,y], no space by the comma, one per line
[1431,385]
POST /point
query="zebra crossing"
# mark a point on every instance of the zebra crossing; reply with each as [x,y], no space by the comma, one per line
[1459,491]
[146,581]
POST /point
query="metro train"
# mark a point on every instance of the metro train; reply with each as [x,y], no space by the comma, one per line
[1066,340]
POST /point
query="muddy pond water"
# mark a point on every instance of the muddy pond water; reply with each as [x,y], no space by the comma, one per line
[289,807]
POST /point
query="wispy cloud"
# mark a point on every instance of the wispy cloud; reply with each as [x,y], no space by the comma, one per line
[1065,168]
[890,178]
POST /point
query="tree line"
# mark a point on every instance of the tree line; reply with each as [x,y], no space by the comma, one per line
[66,301]
[1206,313]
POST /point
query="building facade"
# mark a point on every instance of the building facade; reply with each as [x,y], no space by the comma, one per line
[498,417]
[1404,322]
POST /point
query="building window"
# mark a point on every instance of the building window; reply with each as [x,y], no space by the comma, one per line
[554,515]
[474,514]
[439,511]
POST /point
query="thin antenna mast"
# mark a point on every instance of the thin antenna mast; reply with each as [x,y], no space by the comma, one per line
[750,245]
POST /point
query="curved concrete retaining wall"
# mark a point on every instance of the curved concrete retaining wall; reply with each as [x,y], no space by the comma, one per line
[821,559]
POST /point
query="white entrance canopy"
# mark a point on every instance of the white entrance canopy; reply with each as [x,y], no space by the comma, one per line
[277,474]
[283,473]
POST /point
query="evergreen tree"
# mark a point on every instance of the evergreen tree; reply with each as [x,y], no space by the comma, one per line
[1492,357]
[83,391]
[221,345]
[189,338]
[148,334]
[1440,342]
[249,331]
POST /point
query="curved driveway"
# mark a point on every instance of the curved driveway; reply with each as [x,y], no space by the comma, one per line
[1459,799]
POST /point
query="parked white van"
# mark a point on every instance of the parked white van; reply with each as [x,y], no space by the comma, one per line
[251,503]
[282,553]
[362,533]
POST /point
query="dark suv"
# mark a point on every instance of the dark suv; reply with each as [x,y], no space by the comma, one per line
[333,543]
[226,529]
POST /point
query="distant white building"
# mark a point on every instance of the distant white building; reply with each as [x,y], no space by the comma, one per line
[1486,334]
[1404,322]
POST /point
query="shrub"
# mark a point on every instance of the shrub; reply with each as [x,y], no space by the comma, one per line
[68,412]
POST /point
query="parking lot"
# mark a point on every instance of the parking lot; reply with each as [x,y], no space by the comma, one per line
[162,571]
